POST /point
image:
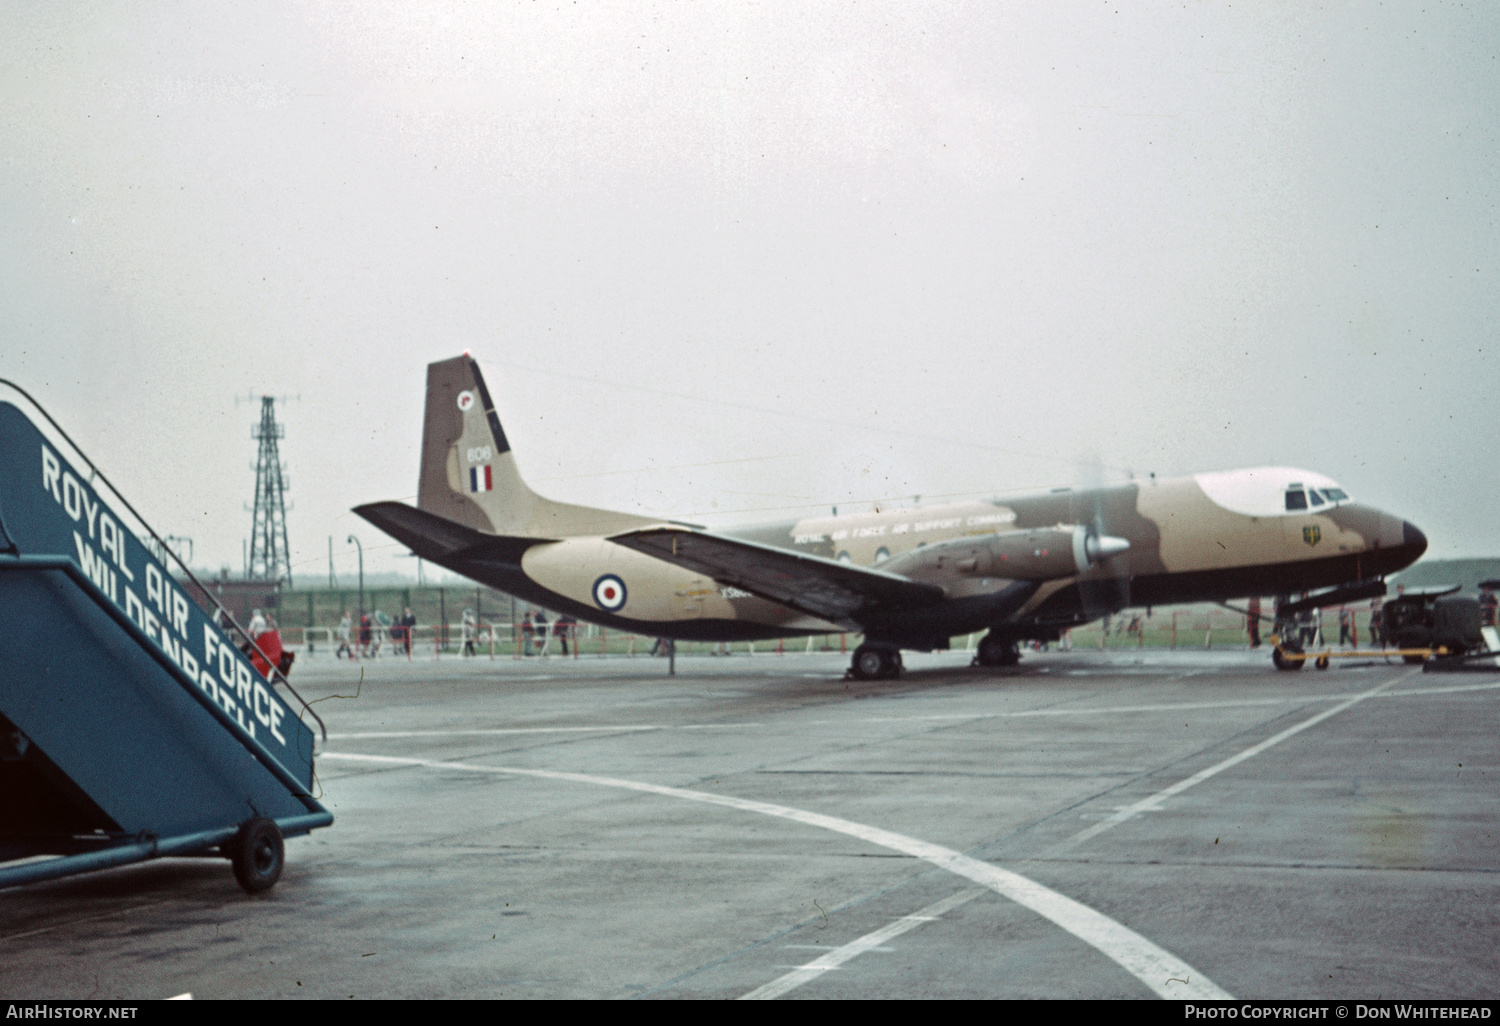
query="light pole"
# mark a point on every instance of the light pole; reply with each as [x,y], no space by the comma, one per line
[355,541]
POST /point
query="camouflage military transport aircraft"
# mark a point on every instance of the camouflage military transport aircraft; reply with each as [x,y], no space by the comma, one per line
[1021,568]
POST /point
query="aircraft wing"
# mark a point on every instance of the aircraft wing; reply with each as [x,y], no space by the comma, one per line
[812,584]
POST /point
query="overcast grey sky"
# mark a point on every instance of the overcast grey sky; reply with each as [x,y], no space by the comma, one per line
[729,262]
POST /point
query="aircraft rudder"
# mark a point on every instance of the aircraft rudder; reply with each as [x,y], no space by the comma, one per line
[468,472]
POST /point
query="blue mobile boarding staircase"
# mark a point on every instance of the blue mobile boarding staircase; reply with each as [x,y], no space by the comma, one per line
[131,726]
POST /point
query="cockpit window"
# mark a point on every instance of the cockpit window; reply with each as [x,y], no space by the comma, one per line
[1296,500]
[1335,494]
[1315,496]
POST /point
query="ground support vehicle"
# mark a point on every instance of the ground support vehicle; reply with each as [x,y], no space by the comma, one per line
[131,725]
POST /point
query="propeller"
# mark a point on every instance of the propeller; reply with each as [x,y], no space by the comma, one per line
[1090,547]
[1105,588]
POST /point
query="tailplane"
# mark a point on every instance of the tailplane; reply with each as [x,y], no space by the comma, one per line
[469,474]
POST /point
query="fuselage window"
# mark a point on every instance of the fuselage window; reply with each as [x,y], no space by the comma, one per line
[1296,500]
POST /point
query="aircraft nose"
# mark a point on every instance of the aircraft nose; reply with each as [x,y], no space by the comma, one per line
[1413,539]
[1391,542]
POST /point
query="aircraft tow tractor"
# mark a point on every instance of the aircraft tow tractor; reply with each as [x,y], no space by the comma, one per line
[1435,627]
[131,726]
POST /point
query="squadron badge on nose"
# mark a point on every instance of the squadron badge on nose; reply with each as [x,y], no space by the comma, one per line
[1312,534]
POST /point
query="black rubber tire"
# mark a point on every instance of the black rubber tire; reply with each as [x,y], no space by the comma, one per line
[869,663]
[991,652]
[872,662]
[997,652]
[1285,661]
[259,855]
[1322,662]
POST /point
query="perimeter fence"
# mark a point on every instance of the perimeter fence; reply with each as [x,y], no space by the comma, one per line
[1200,627]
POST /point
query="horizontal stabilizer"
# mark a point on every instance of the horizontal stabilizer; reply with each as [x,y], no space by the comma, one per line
[441,540]
[822,587]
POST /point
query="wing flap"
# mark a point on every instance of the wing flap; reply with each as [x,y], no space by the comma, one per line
[812,584]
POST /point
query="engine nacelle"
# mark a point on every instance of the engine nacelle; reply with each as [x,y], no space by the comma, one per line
[1039,554]
[1046,553]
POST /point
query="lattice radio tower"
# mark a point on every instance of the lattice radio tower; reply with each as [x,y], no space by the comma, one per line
[270,556]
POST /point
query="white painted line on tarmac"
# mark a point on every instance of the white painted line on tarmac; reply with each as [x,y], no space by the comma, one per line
[1450,689]
[503,731]
[387,734]
[1162,972]
[1228,703]
[869,942]
[1096,710]
[1108,710]
[1153,803]
[934,718]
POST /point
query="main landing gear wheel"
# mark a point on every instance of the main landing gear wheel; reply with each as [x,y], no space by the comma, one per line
[995,651]
[872,662]
[258,854]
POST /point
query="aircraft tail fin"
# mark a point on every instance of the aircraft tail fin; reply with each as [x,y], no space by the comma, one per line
[469,474]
